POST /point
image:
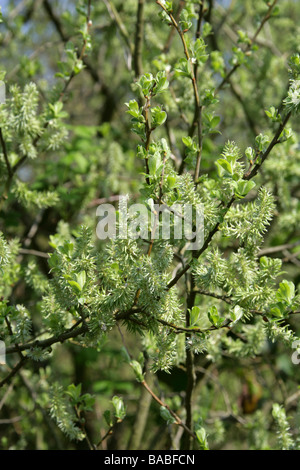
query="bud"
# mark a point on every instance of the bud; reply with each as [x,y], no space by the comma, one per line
[2,353]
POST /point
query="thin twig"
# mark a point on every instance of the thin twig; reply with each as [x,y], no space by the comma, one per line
[154,396]
[278,248]
[259,159]
[138,45]
[36,140]
[118,20]
[249,174]
[3,145]
[197,120]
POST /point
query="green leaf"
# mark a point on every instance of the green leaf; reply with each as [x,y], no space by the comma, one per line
[125,355]
[74,391]
[171,181]
[88,402]
[278,310]
[250,153]
[213,315]
[146,83]
[236,314]
[133,109]
[215,121]
[262,142]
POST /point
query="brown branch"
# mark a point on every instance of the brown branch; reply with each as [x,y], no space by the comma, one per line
[142,412]
[116,17]
[36,140]
[190,370]
[154,396]
[161,403]
[106,435]
[278,248]
[139,34]
[253,169]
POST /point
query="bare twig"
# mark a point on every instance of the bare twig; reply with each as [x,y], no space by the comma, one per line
[259,160]
[13,372]
[138,46]
[278,248]
[249,46]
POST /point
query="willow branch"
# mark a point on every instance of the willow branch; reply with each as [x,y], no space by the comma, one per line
[249,46]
